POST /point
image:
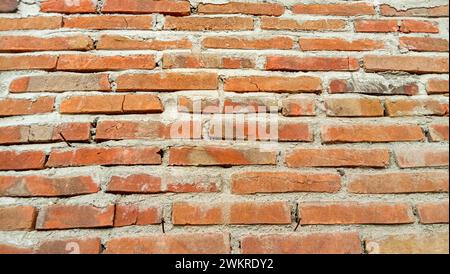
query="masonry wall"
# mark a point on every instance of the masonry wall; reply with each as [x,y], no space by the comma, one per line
[139,126]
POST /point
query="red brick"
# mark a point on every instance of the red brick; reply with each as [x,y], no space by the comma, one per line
[415,107]
[424,44]
[437,86]
[137,6]
[242,8]
[15,107]
[279,42]
[338,44]
[112,104]
[438,132]
[271,23]
[399,183]
[93,63]
[438,11]
[139,183]
[354,107]
[273,84]
[108,156]
[219,156]
[291,63]
[128,215]
[250,104]
[342,9]
[167,81]
[422,157]
[433,213]
[14,218]
[411,64]
[63,6]
[346,213]
[32,43]
[198,105]
[35,62]
[284,182]
[189,60]
[318,243]
[184,213]
[46,186]
[209,23]
[26,160]
[202,243]
[109,22]
[74,216]
[371,133]
[117,42]
[31,23]
[426,243]
[338,157]
[299,106]
[71,246]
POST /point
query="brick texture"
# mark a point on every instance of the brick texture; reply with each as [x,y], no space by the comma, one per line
[232,126]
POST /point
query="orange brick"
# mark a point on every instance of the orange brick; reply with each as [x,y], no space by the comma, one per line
[137,6]
[279,42]
[422,157]
[15,107]
[209,23]
[291,63]
[424,44]
[28,160]
[299,106]
[273,84]
[242,8]
[35,62]
[415,107]
[354,107]
[383,26]
[438,132]
[411,64]
[271,23]
[168,81]
[32,43]
[117,42]
[128,215]
[337,44]
[414,26]
[71,246]
[347,9]
[433,213]
[437,86]
[31,23]
[109,22]
[17,218]
[438,11]
[63,6]
[93,63]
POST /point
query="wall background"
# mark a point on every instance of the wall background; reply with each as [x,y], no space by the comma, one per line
[360,90]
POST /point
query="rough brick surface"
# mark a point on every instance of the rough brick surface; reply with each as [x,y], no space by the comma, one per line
[231,126]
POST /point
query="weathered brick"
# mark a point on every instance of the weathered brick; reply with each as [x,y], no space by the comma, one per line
[219,156]
[271,23]
[426,243]
[93,63]
[45,186]
[167,81]
[35,62]
[371,133]
[411,64]
[31,23]
[56,217]
[63,6]
[424,44]
[242,8]
[201,243]
[127,215]
[279,42]
[415,107]
[291,63]
[137,6]
[273,84]
[399,182]
[171,61]
[247,105]
[335,157]
[318,243]
[32,43]
[369,86]
[354,107]
[27,160]
[108,156]
[15,107]
[13,249]
[61,83]
[17,218]
[299,106]
[8,5]
[438,11]
[337,44]
[433,213]
[438,132]
[209,23]
[284,182]
[112,104]
[347,213]
[71,246]
[109,22]
[198,105]
[437,86]
[422,157]
[414,26]
[117,42]
[383,26]
[185,213]
[341,9]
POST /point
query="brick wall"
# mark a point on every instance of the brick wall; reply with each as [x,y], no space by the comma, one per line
[145,126]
